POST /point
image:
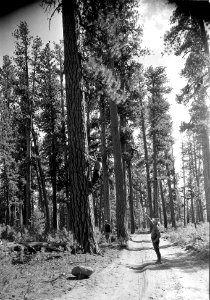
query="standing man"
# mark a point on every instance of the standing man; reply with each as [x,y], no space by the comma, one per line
[107,231]
[155,237]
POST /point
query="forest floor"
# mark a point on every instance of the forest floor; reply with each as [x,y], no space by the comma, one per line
[129,273]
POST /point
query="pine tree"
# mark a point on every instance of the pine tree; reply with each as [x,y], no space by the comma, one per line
[159,120]
[22,50]
[188,36]
[49,124]
[81,203]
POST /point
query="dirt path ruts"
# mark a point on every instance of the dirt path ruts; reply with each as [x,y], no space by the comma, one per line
[135,276]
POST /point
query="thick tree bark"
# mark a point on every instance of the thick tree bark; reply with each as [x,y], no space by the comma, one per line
[81,203]
[119,180]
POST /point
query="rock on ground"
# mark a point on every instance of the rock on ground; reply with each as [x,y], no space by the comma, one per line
[82,271]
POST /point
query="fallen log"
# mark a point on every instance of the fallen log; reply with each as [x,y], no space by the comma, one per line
[33,247]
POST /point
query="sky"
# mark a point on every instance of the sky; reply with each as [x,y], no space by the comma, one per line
[155,17]
[38,22]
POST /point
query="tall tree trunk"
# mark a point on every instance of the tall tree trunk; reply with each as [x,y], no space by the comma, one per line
[132,219]
[119,178]
[106,200]
[198,191]
[53,168]
[100,225]
[20,215]
[190,182]
[206,170]
[192,207]
[81,202]
[174,176]
[154,155]
[124,167]
[28,143]
[40,199]
[63,133]
[149,192]
[170,196]
[163,204]
[205,143]
[8,208]
[204,39]
[39,170]
[184,184]
[200,205]
[155,182]
[42,181]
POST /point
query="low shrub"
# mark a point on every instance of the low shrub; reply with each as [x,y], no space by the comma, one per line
[8,233]
[60,236]
[37,222]
[197,237]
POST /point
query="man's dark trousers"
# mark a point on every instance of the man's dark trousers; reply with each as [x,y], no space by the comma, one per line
[156,248]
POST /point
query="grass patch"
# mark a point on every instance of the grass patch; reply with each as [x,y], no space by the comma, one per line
[197,237]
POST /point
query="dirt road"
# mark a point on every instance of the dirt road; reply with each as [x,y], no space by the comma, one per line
[134,275]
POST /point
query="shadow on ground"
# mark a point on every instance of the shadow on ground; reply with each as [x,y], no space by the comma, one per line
[183,261]
[147,248]
[139,248]
[143,241]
